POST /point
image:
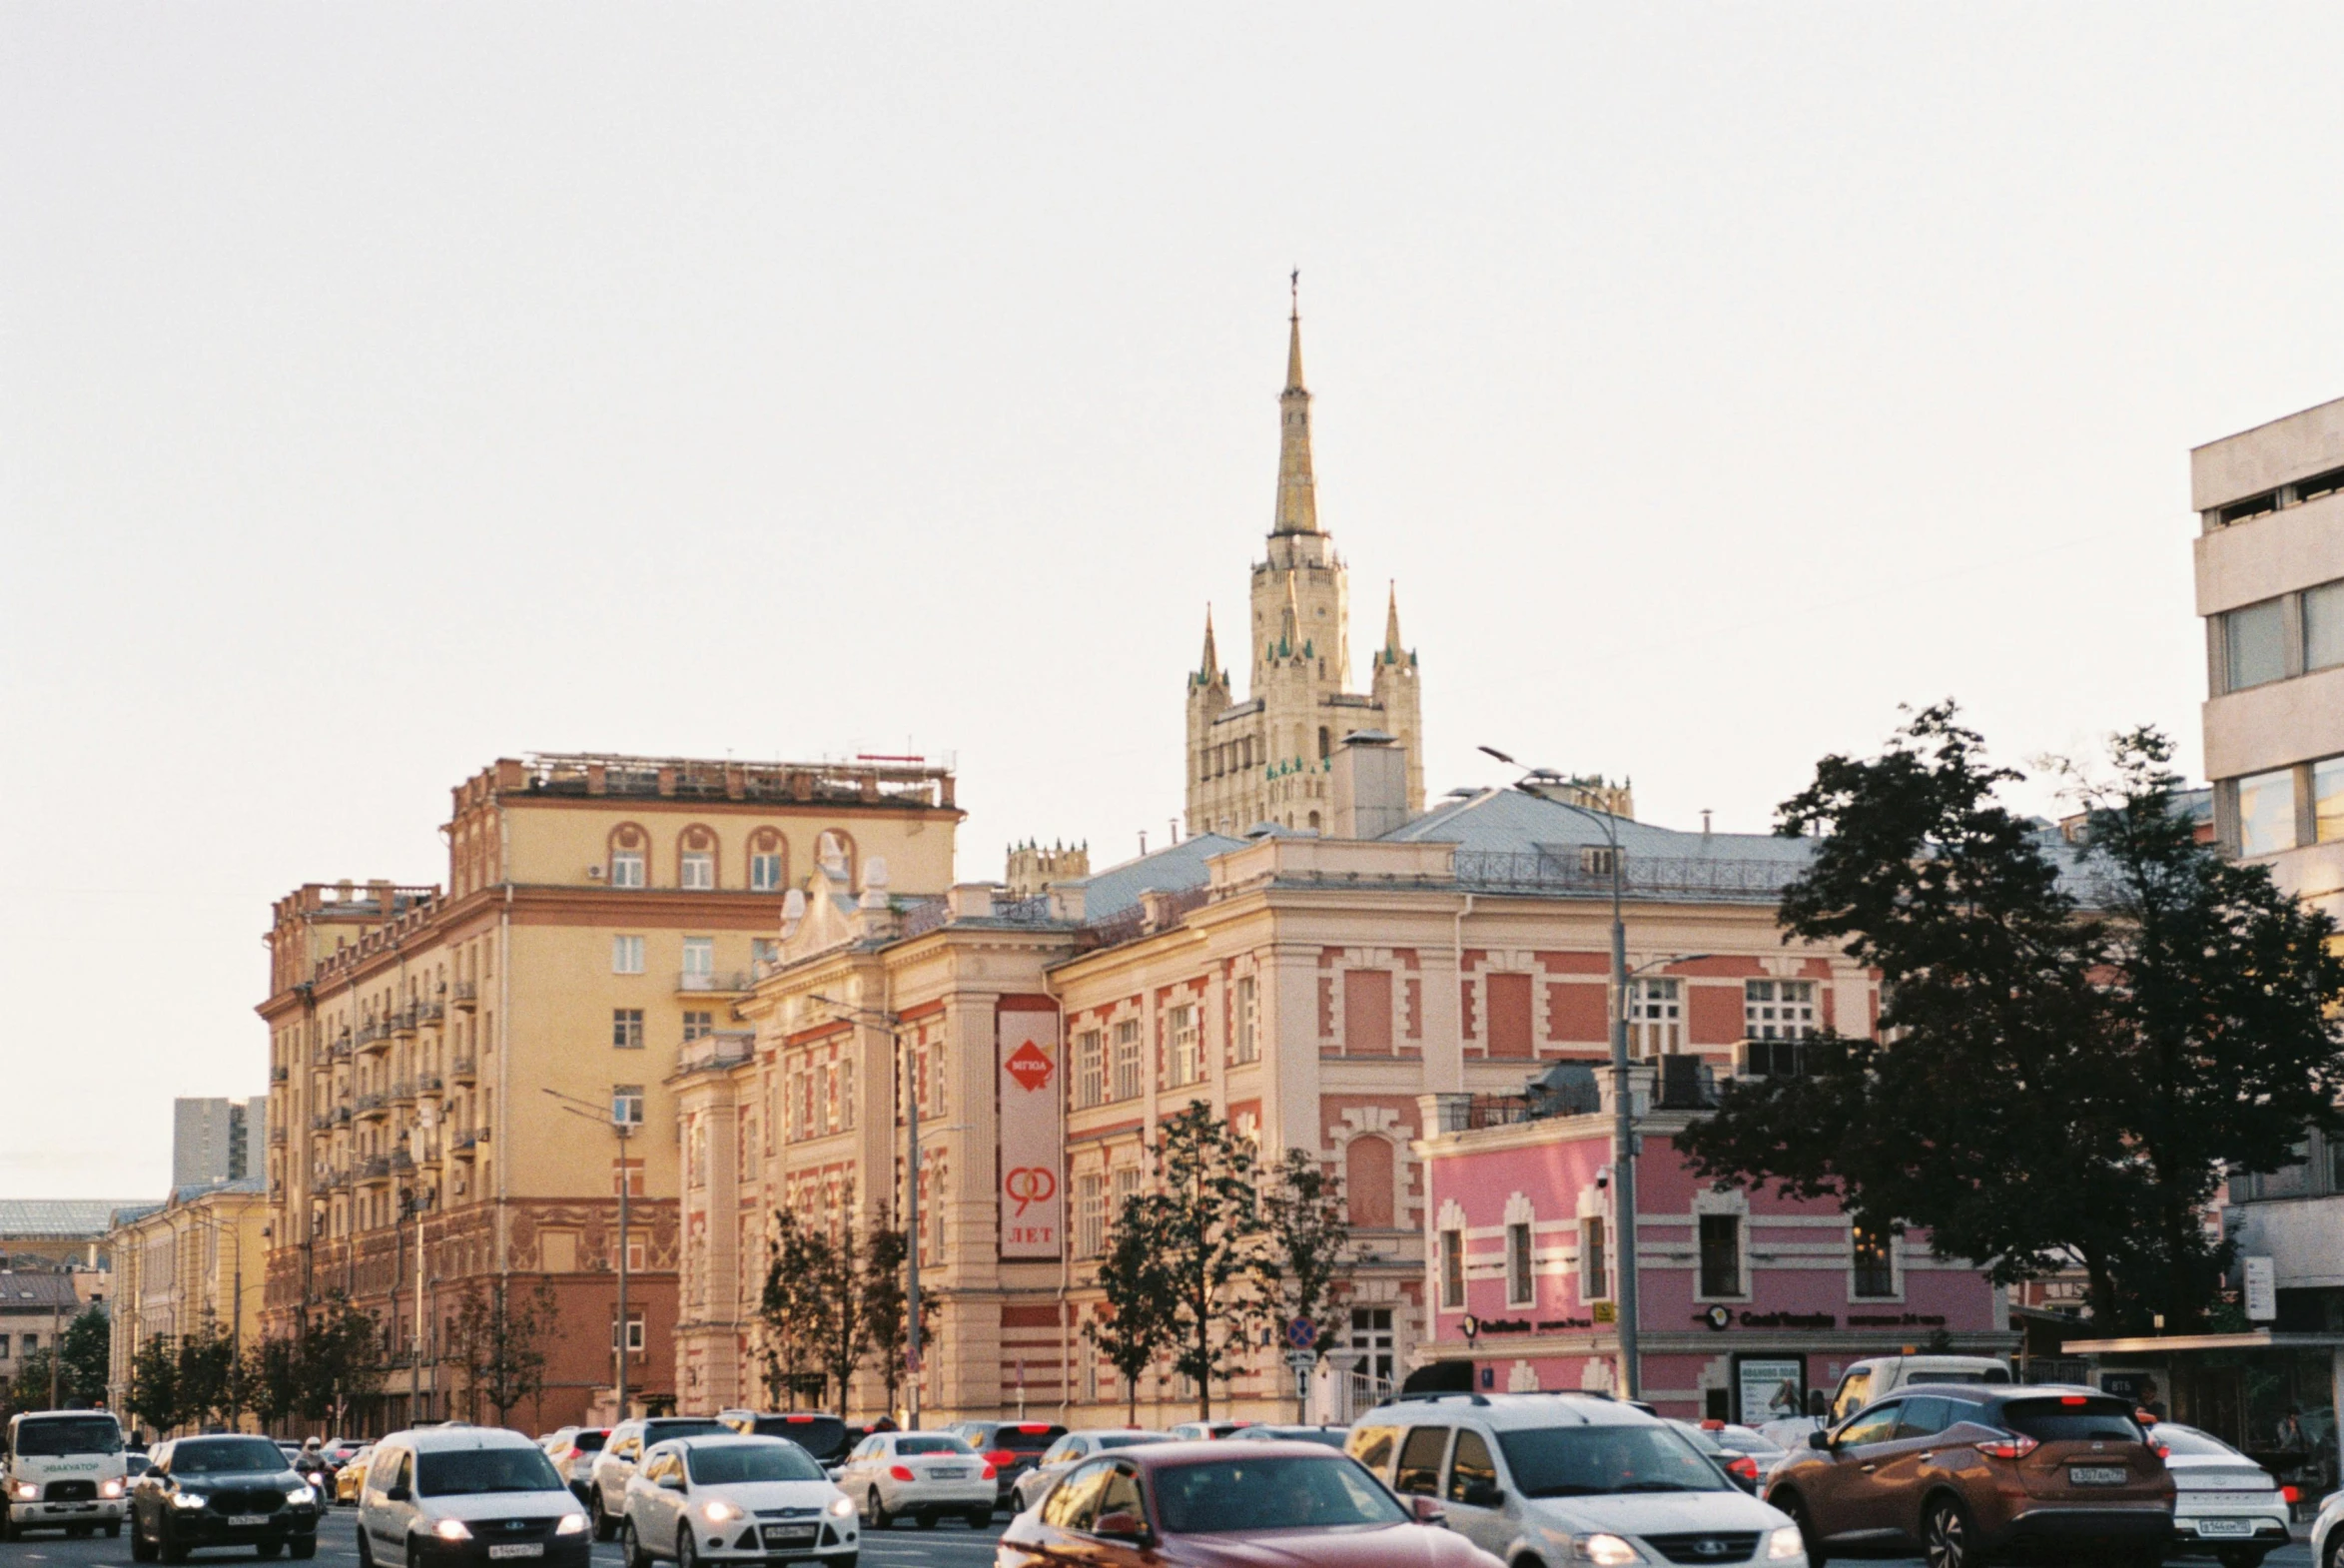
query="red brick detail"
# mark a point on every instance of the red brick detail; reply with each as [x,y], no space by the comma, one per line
[1510,1031]
[1328,958]
[1828,1015]
[1368,1012]
[1576,1012]
[1575,963]
[1719,966]
[1244,1107]
[1013,1004]
[1407,958]
[1326,1007]
[1473,957]
[1713,1015]
[1367,1181]
[1466,1021]
[1412,1005]
[1045,1316]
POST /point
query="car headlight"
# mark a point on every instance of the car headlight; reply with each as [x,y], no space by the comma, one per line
[297,1496]
[1785,1542]
[571,1524]
[188,1499]
[27,1491]
[452,1530]
[1605,1549]
[721,1512]
[109,1488]
[841,1506]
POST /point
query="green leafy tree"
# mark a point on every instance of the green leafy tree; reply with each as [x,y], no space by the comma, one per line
[89,1357]
[500,1340]
[886,1250]
[207,1382]
[788,1308]
[1135,1325]
[270,1379]
[154,1399]
[1304,1270]
[29,1389]
[1206,1223]
[2065,1084]
[340,1359]
[839,1335]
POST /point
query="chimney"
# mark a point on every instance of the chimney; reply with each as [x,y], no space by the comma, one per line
[1370,785]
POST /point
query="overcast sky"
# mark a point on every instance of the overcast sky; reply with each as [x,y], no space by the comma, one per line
[387,389]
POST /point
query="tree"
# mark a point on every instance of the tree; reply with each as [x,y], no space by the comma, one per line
[270,1379]
[839,1334]
[340,1359]
[786,1307]
[1137,1325]
[886,1249]
[2054,1070]
[1304,1270]
[1206,1225]
[89,1357]
[153,1397]
[206,1383]
[498,1343]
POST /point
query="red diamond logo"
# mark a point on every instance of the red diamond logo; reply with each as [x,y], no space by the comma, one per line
[1030,1065]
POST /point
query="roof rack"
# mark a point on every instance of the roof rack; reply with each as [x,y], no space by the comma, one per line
[1436,1395]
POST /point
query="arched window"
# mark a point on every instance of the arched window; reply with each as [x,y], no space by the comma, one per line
[696,858]
[1367,1182]
[1315,822]
[630,854]
[768,861]
[1326,743]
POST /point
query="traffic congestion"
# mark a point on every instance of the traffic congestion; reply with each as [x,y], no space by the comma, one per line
[1945,1473]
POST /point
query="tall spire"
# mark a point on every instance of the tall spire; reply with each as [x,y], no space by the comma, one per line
[1391,626]
[1211,665]
[1297,502]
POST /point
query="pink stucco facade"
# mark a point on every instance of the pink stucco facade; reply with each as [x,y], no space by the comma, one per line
[1742,1293]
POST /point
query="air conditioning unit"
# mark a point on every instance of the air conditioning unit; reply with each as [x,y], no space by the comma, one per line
[593,873]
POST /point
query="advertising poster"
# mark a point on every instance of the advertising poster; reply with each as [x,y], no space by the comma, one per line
[1033,1209]
[1769,1388]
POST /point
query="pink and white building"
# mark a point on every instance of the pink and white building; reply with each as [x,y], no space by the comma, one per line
[1747,1298]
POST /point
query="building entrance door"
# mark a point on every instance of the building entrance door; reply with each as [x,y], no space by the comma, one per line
[1373,1371]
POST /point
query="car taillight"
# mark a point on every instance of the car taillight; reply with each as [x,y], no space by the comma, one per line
[989,1472]
[2290,1494]
[1744,1466]
[2010,1445]
[1001,1456]
[901,1472]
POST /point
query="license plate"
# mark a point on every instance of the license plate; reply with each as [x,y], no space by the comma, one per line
[2098,1476]
[947,1475]
[245,1521]
[789,1535]
[518,1549]
[2225,1527]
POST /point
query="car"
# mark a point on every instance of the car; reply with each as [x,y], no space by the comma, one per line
[134,1463]
[736,1498]
[1740,1470]
[62,1470]
[222,1491]
[1871,1381]
[1747,1440]
[1200,1431]
[2224,1504]
[572,1451]
[351,1477]
[607,1474]
[1325,1437]
[1067,1452]
[1966,1471]
[1206,1504]
[2327,1532]
[451,1495]
[926,1475]
[824,1436]
[1011,1447]
[1544,1479]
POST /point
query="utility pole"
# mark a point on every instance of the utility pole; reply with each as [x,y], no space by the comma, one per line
[620,1118]
[911,1209]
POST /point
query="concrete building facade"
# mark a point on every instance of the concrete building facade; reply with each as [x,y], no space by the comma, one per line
[462,1052]
[195,1259]
[217,1140]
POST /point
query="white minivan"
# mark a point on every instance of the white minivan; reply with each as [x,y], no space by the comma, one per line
[467,1495]
[63,1471]
[1556,1478]
[726,1499]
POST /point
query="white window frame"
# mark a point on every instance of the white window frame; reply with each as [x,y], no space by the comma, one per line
[628,868]
[1089,1069]
[1089,1213]
[695,870]
[1185,1043]
[1451,1264]
[626,955]
[1656,1017]
[699,955]
[1247,1008]
[1780,1009]
[765,871]
[1131,1057]
[625,1096]
[1521,1263]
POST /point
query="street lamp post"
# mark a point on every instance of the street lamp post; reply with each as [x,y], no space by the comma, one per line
[621,1117]
[911,1101]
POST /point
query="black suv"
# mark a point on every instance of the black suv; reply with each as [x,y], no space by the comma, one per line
[1011,1447]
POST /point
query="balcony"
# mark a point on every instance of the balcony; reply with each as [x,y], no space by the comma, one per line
[430,1084]
[727,1047]
[465,993]
[1771,1059]
[340,1114]
[462,1069]
[371,1030]
[279,1074]
[276,1137]
[340,1049]
[373,1105]
[403,1021]
[374,1170]
[321,1122]
[400,1160]
[402,1093]
[737,982]
[430,1011]
[463,1143]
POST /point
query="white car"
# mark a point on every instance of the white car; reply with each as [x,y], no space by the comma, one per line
[2224,1504]
[925,1475]
[732,1498]
[2327,1532]
[451,1494]
[1067,1452]
[616,1464]
[1541,1481]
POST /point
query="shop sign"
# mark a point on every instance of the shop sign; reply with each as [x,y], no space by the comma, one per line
[1027,1080]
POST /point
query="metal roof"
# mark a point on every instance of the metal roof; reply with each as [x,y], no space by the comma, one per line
[29,1293]
[56,1219]
[1168,870]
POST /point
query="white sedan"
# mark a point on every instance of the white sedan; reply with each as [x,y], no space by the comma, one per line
[1068,1451]
[733,1499]
[926,1475]
[2224,1504]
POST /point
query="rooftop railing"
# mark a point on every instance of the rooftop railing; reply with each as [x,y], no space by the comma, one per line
[1586,869]
[731,980]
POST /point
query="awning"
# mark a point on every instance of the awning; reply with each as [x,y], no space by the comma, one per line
[2253,1339]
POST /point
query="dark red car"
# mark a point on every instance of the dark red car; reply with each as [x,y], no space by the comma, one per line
[1231,1505]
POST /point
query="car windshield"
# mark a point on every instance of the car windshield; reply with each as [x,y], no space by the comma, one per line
[1274,1492]
[588,1442]
[81,1434]
[1741,1440]
[1025,1439]
[781,1461]
[1129,1439]
[1584,1461]
[468,1472]
[661,1431]
[939,1444]
[2182,1441]
[2071,1418]
[222,1456]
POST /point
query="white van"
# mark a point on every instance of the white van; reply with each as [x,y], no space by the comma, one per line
[63,1471]
[1867,1383]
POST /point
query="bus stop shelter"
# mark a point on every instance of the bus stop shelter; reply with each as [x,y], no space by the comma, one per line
[2271,1395]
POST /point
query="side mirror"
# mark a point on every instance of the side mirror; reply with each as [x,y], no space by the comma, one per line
[1820,1439]
[399,1494]
[1427,1510]
[1121,1525]
[1482,1494]
[672,1483]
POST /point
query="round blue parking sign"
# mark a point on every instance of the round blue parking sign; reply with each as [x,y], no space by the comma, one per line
[1301,1333]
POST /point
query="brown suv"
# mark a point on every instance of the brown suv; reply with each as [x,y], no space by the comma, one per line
[1963,1472]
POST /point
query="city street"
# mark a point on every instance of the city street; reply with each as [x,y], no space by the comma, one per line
[946,1546]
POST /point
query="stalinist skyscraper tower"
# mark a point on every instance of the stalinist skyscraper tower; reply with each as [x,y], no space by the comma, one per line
[1267,758]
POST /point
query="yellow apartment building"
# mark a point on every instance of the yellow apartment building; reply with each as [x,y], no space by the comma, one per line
[446,1062]
[197,1258]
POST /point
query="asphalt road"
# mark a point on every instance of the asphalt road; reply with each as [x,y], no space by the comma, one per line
[949,1545]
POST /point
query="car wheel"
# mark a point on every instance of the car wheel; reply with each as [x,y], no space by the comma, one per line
[304,1548]
[268,1548]
[366,1552]
[1797,1509]
[142,1550]
[169,1549]
[605,1527]
[686,1555]
[980,1518]
[630,1546]
[874,1514]
[927,1518]
[1945,1536]
[113,1528]
[2241,1556]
